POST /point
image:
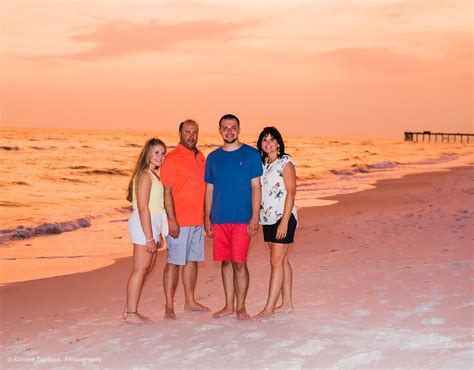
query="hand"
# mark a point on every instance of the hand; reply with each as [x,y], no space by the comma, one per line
[208,228]
[173,227]
[282,229]
[252,227]
[151,246]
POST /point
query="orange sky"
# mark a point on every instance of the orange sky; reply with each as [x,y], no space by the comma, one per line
[332,68]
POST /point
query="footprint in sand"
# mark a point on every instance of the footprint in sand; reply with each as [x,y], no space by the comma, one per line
[207,327]
[356,360]
[282,344]
[311,347]
[169,354]
[254,335]
[200,353]
[360,313]
[433,321]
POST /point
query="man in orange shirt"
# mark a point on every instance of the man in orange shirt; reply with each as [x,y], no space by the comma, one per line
[182,175]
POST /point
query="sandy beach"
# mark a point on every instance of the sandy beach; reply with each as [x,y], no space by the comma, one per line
[382,280]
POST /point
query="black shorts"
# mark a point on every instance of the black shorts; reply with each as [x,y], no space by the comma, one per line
[269,232]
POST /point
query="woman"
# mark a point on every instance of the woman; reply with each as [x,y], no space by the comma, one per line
[278,217]
[147,225]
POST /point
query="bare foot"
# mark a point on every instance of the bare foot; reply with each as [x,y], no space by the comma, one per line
[169,314]
[287,308]
[242,315]
[263,315]
[136,318]
[195,306]
[222,313]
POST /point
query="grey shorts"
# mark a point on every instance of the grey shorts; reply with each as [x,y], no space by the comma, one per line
[189,246]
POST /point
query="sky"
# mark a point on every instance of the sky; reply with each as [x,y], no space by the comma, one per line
[324,68]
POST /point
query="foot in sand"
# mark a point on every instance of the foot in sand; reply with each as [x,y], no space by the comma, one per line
[222,313]
[263,315]
[242,315]
[135,318]
[169,314]
[195,306]
[287,308]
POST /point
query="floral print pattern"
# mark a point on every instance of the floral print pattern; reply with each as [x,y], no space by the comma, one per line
[274,191]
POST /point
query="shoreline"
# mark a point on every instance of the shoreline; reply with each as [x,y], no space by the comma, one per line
[115,229]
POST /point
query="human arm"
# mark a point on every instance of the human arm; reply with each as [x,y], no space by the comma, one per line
[171,213]
[289,179]
[207,209]
[143,200]
[252,227]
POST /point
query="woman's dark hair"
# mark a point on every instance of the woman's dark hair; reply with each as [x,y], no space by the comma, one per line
[273,132]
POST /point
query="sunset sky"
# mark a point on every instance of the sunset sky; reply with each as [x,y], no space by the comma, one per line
[331,68]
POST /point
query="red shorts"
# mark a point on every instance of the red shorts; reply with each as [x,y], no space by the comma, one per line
[231,242]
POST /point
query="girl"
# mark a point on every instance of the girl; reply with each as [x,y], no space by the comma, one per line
[147,225]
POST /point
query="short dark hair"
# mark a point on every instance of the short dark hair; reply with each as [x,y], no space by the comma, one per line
[273,132]
[186,121]
[229,116]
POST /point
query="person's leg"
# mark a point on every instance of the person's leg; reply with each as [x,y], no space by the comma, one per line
[227,280]
[170,282]
[241,284]
[194,253]
[222,252]
[142,260]
[190,273]
[287,289]
[278,253]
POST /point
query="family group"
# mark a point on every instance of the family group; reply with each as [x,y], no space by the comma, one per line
[179,198]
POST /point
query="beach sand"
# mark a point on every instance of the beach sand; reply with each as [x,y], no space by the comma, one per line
[382,279]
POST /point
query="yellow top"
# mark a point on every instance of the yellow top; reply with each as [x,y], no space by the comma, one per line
[156,203]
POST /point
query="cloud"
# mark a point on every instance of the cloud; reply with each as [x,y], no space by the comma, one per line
[119,38]
[377,59]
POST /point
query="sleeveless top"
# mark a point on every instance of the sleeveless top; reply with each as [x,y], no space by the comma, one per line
[156,203]
[274,191]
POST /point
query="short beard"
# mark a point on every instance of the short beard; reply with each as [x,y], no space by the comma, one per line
[230,141]
[186,145]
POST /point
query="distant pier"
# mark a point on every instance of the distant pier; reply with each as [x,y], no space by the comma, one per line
[438,137]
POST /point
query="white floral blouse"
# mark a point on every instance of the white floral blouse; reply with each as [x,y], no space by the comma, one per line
[274,191]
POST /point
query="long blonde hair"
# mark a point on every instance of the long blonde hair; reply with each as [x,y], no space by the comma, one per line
[143,163]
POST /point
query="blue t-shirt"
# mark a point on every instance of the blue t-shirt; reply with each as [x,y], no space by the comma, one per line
[231,173]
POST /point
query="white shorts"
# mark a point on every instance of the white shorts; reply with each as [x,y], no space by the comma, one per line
[159,225]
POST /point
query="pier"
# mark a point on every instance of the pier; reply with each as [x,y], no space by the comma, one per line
[438,137]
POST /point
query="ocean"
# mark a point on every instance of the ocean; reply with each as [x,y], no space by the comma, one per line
[63,191]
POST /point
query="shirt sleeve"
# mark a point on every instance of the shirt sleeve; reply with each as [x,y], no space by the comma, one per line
[168,173]
[256,168]
[209,173]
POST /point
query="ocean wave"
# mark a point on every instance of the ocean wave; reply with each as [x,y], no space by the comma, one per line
[383,165]
[110,171]
[6,147]
[21,232]
[79,167]
[365,168]
[444,158]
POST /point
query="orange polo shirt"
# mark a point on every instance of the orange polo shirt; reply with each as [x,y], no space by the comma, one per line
[183,170]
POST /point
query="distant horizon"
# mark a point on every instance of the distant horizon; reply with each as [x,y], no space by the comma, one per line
[216,133]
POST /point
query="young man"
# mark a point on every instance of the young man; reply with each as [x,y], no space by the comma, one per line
[182,175]
[232,206]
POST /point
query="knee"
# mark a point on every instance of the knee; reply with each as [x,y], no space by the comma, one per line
[141,269]
[239,266]
[277,261]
